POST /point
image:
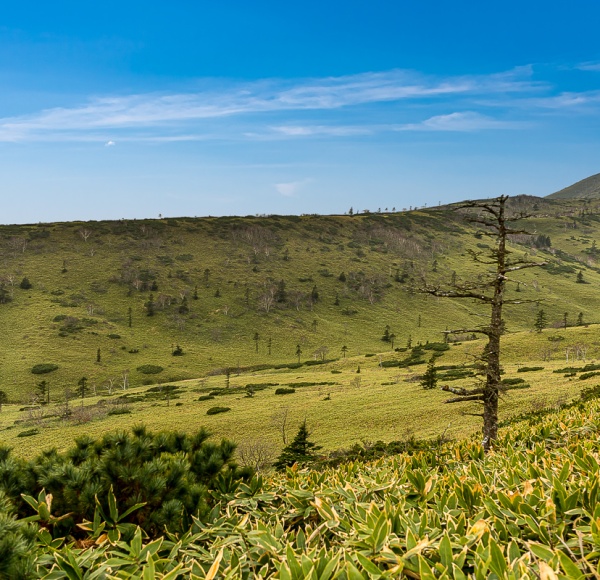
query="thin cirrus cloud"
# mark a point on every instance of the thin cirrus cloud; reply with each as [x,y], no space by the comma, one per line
[161,117]
[593,66]
[291,188]
[461,121]
[465,121]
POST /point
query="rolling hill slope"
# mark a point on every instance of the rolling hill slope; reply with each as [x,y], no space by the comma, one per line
[245,292]
[588,188]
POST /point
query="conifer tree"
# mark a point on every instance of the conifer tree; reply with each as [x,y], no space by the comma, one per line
[429,380]
[541,321]
[300,450]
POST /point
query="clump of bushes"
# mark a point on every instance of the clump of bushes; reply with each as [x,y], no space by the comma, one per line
[43,368]
[150,369]
[529,369]
[206,397]
[217,410]
[113,335]
[29,432]
[159,481]
[119,411]
[284,391]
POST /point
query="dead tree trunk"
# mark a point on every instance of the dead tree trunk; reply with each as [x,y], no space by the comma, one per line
[490,291]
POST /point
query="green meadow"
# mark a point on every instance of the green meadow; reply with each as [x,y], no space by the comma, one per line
[274,301]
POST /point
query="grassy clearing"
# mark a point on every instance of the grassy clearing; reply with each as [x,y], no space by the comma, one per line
[341,406]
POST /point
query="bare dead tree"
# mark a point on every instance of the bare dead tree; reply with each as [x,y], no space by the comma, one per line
[257,453]
[85,233]
[488,289]
[280,420]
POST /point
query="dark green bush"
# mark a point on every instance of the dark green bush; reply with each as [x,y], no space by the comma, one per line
[174,475]
[206,397]
[29,432]
[284,391]
[217,410]
[585,376]
[43,368]
[112,335]
[515,381]
[589,393]
[529,369]
[150,369]
[120,411]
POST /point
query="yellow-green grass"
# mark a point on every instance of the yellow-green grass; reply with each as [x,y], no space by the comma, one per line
[214,336]
[385,404]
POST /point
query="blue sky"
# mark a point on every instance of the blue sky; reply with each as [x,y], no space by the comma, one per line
[135,109]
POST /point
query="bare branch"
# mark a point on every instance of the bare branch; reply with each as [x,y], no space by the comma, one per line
[466,398]
[467,331]
[526,265]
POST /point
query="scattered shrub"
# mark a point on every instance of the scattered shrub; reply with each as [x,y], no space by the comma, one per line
[29,432]
[150,369]
[589,393]
[119,411]
[43,368]
[284,391]
[206,397]
[515,381]
[112,335]
[217,410]
[585,376]
[529,369]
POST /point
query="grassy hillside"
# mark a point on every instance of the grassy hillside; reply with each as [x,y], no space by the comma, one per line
[588,188]
[527,510]
[342,407]
[216,283]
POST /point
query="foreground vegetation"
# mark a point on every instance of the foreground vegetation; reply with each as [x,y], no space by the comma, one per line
[529,509]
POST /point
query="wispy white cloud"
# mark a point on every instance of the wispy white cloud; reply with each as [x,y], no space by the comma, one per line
[291,188]
[567,100]
[462,121]
[593,66]
[110,144]
[315,130]
[162,114]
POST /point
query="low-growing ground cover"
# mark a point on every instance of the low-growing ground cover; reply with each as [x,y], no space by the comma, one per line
[528,509]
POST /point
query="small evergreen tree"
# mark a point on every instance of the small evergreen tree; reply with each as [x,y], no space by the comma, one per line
[429,380]
[150,305]
[129,317]
[25,284]
[82,384]
[3,399]
[300,450]
[344,351]
[386,334]
[98,356]
[580,279]
[183,307]
[298,352]
[43,388]
[580,319]
[281,294]
[256,339]
[541,321]
[314,295]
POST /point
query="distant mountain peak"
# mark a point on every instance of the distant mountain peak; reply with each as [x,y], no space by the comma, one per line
[586,188]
